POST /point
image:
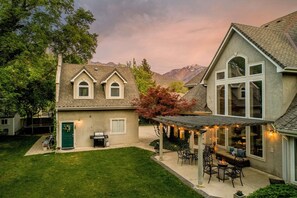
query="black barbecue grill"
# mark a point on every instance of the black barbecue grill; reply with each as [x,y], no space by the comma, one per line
[100,139]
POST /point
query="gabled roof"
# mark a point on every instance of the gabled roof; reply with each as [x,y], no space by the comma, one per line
[99,73]
[196,79]
[287,123]
[198,93]
[114,72]
[83,71]
[276,40]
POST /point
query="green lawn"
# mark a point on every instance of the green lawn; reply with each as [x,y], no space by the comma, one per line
[127,172]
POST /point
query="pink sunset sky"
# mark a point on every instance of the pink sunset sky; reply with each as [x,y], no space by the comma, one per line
[172,34]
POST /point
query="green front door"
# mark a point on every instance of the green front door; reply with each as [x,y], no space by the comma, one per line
[67,135]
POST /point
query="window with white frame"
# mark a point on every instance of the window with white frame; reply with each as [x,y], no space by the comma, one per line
[242,96]
[221,99]
[118,125]
[83,89]
[256,140]
[115,90]
[221,136]
[236,67]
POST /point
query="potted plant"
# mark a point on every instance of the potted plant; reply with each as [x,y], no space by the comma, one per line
[239,194]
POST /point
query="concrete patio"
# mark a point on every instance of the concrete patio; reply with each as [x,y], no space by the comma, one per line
[252,181]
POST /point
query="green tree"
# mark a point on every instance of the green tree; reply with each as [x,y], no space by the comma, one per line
[143,76]
[178,87]
[32,33]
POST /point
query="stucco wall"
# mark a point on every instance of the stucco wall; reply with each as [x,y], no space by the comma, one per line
[279,91]
[87,122]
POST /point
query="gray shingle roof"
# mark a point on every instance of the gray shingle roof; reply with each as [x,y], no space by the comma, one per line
[66,100]
[277,39]
[196,79]
[199,94]
[199,122]
[288,122]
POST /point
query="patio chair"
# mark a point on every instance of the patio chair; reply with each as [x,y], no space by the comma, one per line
[208,166]
[239,162]
[183,156]
[233,173]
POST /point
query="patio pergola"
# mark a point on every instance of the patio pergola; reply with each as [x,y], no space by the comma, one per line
[199,125]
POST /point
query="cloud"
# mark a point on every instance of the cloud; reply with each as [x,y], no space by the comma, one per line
[172,33]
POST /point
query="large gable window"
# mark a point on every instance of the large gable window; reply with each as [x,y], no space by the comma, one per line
[115,90]
[83,89]
[236,67]
[236,101]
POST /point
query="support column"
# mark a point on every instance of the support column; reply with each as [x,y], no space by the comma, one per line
[192,141]
[161,143]
[200,160]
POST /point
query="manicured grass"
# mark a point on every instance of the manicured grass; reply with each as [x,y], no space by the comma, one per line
[127,172]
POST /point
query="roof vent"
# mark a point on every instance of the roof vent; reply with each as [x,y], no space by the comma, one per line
[96,68]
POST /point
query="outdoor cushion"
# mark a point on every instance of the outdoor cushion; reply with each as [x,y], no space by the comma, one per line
[240,153]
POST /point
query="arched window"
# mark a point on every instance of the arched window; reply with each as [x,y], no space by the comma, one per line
[236,67]
[83,89]
[115,90]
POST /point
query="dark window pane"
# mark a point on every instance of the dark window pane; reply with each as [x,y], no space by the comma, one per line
[257,69]
[256,99]
[256,141]
[221,99]
[83,91]
[220,75]
[221,136]
[236,67]
[236,99]
[237,138]
[115,92]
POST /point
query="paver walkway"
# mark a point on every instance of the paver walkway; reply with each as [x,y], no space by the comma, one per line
[37,147]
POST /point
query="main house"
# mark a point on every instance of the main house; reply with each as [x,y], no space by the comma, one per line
[251,89]
[94,98]
[254,75]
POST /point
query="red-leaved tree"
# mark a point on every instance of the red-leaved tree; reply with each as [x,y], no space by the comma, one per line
[159,101]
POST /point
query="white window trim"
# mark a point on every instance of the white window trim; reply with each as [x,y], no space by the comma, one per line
[90,96]
[117,133]
[255,64]
[241,79]
[220,71]
[248,144]
[120,91]
[226,138]
[245,69]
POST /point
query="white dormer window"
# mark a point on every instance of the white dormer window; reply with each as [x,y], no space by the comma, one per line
[114,90]
[83,89]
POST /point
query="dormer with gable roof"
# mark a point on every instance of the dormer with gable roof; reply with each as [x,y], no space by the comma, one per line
[114,85]
[83,85]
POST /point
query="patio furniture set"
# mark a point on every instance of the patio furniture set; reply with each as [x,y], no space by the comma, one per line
[222,169]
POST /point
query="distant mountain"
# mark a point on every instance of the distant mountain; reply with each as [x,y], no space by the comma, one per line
[184,74]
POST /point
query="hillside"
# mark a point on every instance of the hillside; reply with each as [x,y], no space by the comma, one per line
[182,74]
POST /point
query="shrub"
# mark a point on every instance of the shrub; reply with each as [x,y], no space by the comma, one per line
[275,191]
[171,145]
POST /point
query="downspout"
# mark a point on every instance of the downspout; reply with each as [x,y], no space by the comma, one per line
[58,78]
